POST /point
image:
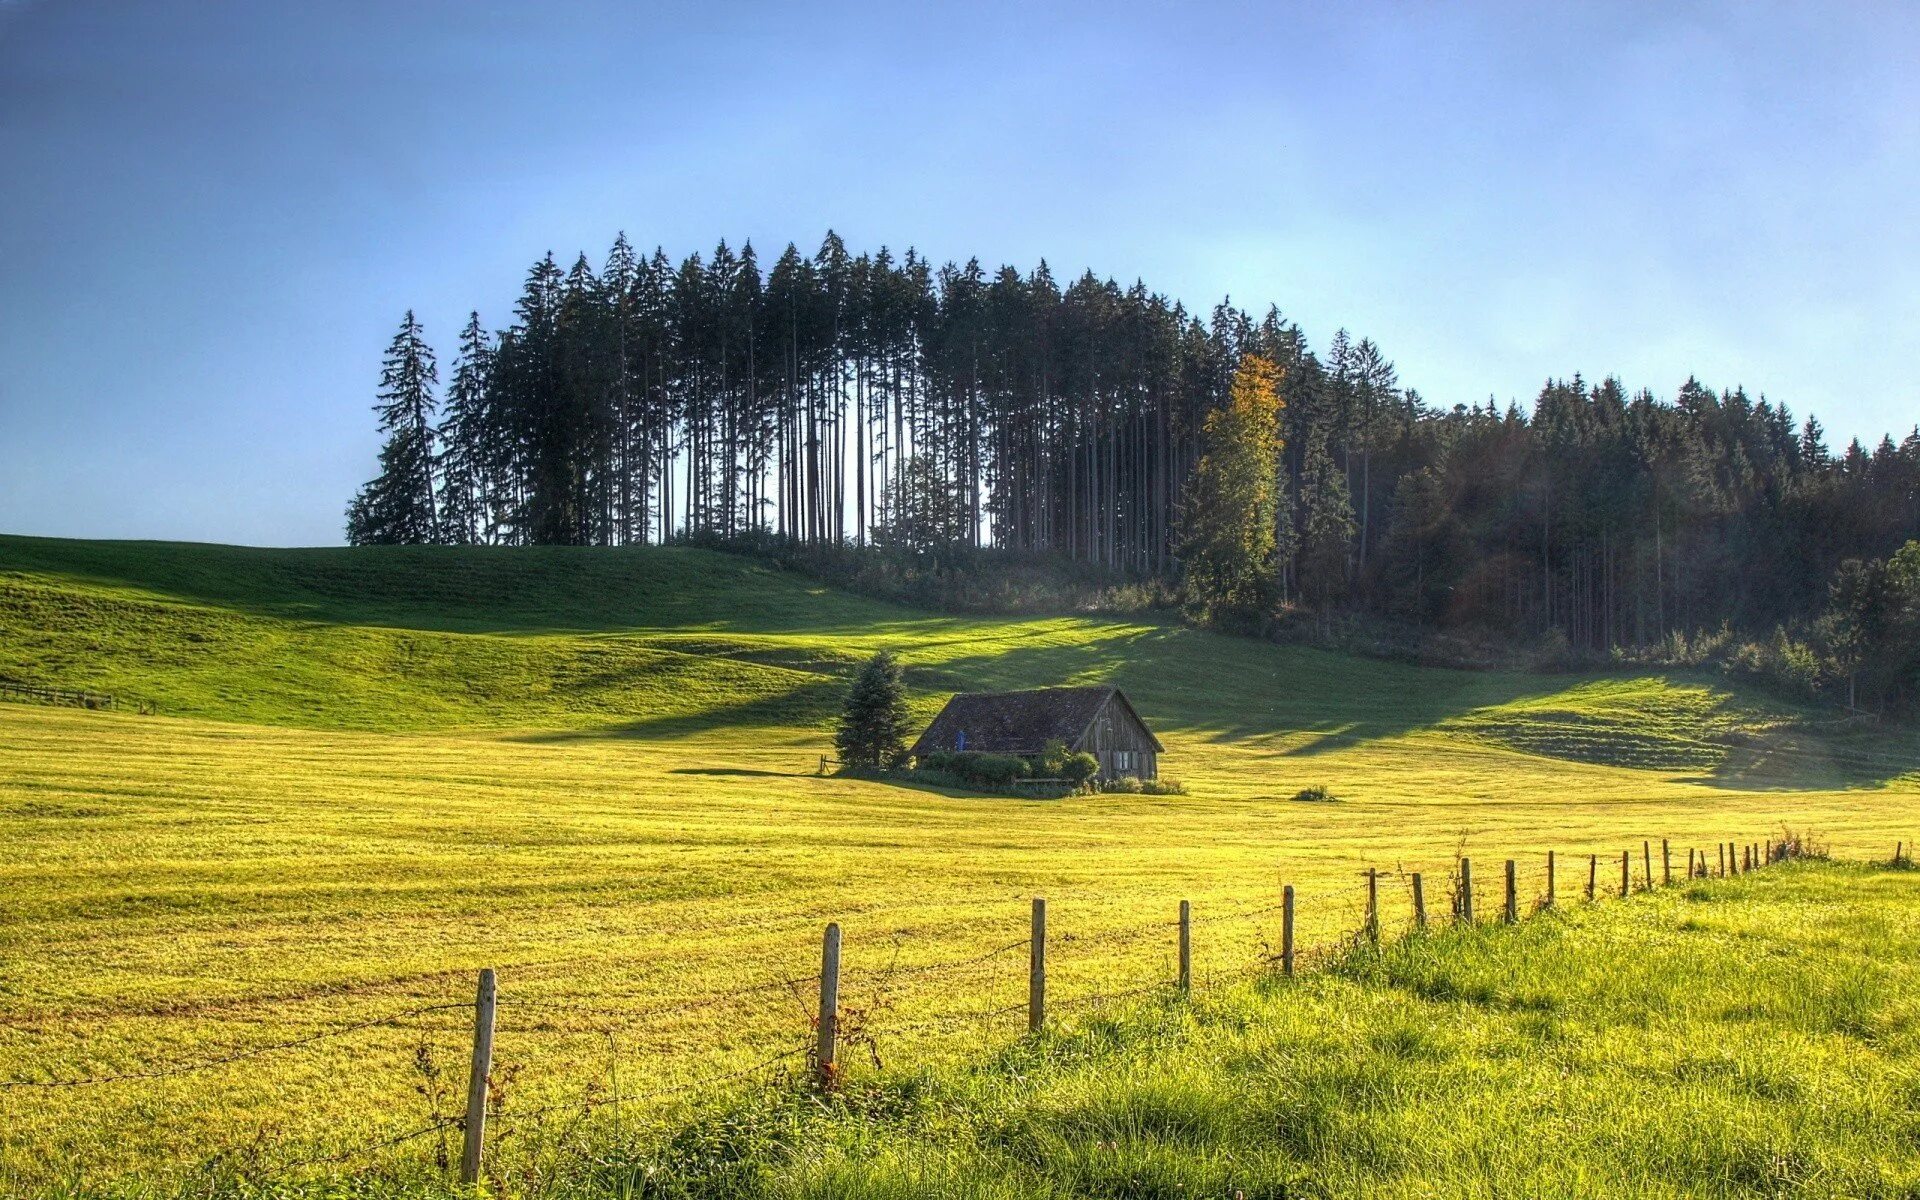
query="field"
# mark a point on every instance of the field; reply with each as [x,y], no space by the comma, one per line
[368,774]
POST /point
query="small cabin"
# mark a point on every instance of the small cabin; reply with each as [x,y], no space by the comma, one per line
[1096,720]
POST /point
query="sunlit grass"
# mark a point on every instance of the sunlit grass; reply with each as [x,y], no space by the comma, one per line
[371,776]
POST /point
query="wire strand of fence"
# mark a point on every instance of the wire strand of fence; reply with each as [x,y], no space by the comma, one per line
[438,1124]
[935,968]
[208,1064]
[588,1104]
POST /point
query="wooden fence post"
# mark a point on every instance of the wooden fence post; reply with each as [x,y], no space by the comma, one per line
[1286,931]
[1689,862]
[1723,860]
[1186,946]
[1373,906]
[1552,881]
[1899,849]
[1466,891]
[1513,895]
[1666,864]
[1626,872]
[478,1076]
[1037,968]
[827,1047]
[1593,877]
[1646,865]
[1419,902]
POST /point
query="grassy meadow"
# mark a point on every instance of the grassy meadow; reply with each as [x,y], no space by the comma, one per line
[369,773]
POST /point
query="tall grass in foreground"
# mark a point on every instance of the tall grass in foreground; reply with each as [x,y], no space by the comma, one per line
[1747,1037]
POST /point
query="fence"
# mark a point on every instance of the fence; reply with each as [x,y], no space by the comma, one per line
[49,695]
[830,1027]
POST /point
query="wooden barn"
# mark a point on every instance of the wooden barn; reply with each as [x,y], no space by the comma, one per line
[1097,720]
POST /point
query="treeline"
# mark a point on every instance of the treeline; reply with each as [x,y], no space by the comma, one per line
[841,399]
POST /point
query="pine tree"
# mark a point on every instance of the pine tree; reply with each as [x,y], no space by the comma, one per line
[874,724]
[398,507]
[465,505]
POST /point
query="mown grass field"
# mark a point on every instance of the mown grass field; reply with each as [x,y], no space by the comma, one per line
[371,773]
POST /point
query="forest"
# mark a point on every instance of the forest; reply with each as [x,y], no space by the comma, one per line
[868,401]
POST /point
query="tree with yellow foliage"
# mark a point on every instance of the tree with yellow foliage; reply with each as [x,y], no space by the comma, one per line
[1234,502]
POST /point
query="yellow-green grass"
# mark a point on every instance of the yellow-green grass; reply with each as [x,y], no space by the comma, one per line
[596,770]
[1757,1037]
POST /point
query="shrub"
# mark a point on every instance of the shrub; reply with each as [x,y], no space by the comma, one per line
[1318,793]
[980,770]
[1080,769]
[1126,784]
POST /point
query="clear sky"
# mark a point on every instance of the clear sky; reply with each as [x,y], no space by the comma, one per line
[212,215]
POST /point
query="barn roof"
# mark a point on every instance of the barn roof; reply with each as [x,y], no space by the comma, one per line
[1020,722]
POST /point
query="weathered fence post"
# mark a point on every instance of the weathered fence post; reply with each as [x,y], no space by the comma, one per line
[1466,891]
[1689,862]
[1593,877]
[827,1047]
[1626,873]
[1666,864]
[1286,931]
[1037,968]
[1552,881]
[479,1074]
[1373,906]
[1513,895]
[1186,946]
[1419,902]
[1723,860]
[1646,864]
[1899,850]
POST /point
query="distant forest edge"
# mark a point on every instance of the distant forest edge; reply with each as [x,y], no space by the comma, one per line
[862,401]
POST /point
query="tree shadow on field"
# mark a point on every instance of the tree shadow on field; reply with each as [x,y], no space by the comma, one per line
[805,705]
[1816,756]
[1230,689]
[741,772]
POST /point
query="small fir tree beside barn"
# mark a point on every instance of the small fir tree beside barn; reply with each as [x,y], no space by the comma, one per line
[874,724]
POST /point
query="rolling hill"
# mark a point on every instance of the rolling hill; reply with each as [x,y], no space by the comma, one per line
[367,773]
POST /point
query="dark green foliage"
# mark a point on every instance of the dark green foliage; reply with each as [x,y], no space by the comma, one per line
[872,735]
[979,770]
[839,400]
[398,507]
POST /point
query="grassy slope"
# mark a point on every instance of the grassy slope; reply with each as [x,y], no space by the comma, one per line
[605,789]
[1756,1037]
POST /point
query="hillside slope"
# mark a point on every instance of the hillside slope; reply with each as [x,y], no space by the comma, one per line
[676,642]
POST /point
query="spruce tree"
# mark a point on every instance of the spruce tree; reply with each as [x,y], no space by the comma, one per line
[465,506]
[874,724]
[398,507]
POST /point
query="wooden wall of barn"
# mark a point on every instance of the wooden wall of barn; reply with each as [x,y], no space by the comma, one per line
[1121,743]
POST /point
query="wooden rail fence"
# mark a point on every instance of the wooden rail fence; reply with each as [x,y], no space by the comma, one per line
[33,693]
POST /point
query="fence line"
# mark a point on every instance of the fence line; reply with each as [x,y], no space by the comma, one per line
[52,695]
[833,1021]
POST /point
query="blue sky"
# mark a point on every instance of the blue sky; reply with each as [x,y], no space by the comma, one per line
[212,215]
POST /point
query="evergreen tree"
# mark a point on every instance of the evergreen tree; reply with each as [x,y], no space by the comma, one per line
[398,506]
[466,508]
[874,724]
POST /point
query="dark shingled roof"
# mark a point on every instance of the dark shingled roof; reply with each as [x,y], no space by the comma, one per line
[1018,722]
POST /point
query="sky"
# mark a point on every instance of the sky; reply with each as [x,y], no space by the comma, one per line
[213,215]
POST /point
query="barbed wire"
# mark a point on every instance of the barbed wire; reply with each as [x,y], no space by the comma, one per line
[436,1126]
[588,1104]
[234,1057]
